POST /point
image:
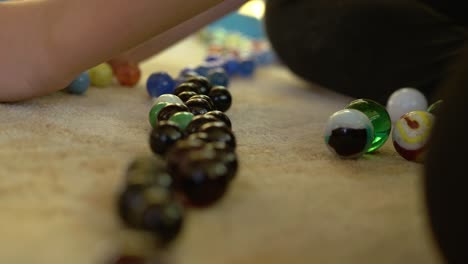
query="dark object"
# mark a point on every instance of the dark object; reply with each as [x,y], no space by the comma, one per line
[163,215]
[199,173]
[198,106]
[219,132]
[148,171]
[348,142]
[169,110]
[187,87]
[185,96]
[445,168]
[219,77]
[206,98]
[199,121]
[221,116]
[152,209]
[224,152]
[202,82]
[163,136]
[221,98]
[247,68]
[366,48]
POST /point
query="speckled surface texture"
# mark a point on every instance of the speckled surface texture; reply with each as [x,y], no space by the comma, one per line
[62,159]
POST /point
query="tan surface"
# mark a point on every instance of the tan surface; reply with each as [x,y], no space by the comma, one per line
[62,159]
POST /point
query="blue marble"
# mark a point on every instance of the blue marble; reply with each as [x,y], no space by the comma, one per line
[231,66]
[160,83]
[247,68]
[187,72]
[203,70]
[218,77]
[80,85]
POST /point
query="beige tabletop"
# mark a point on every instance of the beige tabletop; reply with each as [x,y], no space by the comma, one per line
[62,160]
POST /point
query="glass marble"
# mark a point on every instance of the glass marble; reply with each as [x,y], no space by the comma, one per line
[199,121]
[198,106]
[199,174]
[435,107]
[169,110]
[101,75]
[185,96]
[153,114]
[127,74]
[188,72]
[203,70]
[152,209]
[203,84]
[168,98]
[246,68]
[379,117]
[221,97]
[80,85]
[182,119]
[219,132]
[223,152]
[411,134]
[218,77]
[349,133]
[405,100]
[231,66]
[160,83]
[221,116]
[163,136]
[146,171]
[206,98]
[187,87]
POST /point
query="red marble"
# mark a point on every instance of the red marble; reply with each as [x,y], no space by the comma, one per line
[128,74]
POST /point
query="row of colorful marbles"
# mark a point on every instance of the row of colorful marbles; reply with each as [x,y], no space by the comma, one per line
[193,165]
[365,125]
[103,75]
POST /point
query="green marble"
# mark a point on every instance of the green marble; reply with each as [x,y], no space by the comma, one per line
[379,118]
[153,114]
[435,107]
[182,119]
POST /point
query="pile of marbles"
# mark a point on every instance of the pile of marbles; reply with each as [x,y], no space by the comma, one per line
[364,126]
[238,53]
[194,156]
[103,75]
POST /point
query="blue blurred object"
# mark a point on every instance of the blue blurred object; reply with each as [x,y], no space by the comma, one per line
[213,58]
[249,26]
[160,83]
[218,77]
[203,70]
[231,66]
[265,58]
[247,68]
[80,85]
[187,72]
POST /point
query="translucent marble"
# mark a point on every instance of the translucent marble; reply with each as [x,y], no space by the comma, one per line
[379,118]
